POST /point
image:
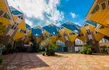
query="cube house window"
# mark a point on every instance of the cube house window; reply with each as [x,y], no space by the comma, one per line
[1,23]
[103,5]
[1,12]
[108,2]
[95,9]
[12,27]
[6,16]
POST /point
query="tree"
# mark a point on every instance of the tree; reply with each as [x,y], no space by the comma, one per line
[49,46]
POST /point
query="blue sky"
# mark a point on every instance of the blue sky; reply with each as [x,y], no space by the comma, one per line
[45,12]
[75,10]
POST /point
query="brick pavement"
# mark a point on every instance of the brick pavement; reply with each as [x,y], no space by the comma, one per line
[64,61]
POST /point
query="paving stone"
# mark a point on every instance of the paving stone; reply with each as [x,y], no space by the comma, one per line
[33,61]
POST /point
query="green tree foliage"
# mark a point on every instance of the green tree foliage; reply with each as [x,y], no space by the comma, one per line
[86,49]
[49,46]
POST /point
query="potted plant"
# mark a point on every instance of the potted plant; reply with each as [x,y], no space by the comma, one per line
[43,53]
[86,49]
[50,47]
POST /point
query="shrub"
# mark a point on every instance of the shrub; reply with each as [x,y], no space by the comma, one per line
[50,47]
[35,48]
[86,49]
[10,49]
[1,59]
[4,50]
[43,53]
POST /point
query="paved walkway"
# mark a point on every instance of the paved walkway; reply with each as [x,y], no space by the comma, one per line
[32,61]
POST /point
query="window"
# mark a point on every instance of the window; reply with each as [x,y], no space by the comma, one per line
[50,35]
[12,27]
[65,34]
[24,31]
[81,35]
[62,27]
[59,36]
[18,30]
[6,16]
[86,24]
[108,2]
[1,23]
[102,27]
[88,32]
[95,9]
[20,17]
[103,5]
[21,30]
[15,22]
[72,33]
[1,12]
[96,32]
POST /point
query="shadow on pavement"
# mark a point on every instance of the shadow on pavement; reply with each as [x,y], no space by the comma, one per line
[22,61]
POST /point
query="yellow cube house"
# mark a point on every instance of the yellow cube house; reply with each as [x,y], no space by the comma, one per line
[51,32]
[5,14]
[28,34]
[69,31]
[37,33]
[19,23]
[99,12]
[88,32]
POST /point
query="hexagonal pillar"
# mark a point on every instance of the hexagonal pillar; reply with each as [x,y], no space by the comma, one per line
[70,46]
[95,47]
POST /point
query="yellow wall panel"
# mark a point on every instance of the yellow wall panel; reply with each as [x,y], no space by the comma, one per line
[29,33]
[100,17]
[61,39]
[18,35]
[105,16]
[104,31]
[95,16]
[83,30]
[22,25]
[5,21]
[60,32]
[98,36]
[38,39]
[27,40]
[45,33]
[67,31]
[15,17]
[73,37]
[53,38]
[3,6]
[83,38]
[92,28]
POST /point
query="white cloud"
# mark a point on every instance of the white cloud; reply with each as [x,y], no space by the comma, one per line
[73,15]
[29,22]
[77,23]
[45,12]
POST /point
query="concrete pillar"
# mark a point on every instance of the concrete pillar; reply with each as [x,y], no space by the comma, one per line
[96,47]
